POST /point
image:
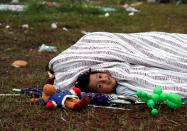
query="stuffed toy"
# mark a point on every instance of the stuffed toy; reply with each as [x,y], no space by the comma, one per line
[68,100]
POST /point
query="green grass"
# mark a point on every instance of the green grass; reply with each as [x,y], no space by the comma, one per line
[17,113]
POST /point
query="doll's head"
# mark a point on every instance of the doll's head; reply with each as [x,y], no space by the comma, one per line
[48,90]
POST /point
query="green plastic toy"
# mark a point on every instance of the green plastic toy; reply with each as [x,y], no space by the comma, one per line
[172,100]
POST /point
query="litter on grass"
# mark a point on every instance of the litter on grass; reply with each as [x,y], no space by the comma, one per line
[7,26]
[18,8]
[54,25]
[50,3]
[107,14]
[106,8]
[47,48]
[132,9]
[25,26]
[64,28]
[131,14]
[19,63]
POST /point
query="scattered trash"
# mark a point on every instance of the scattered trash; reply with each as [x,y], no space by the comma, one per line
[65,29]
[19,63]
[132,9]
[16,90]
[125,5]
[25,26]
[54,25]
[107,14]
[136,4]
[15,1]
[50,3]
[7,26]
[131,14]
[84,32]
[106,8]
[12,7]
[47,48]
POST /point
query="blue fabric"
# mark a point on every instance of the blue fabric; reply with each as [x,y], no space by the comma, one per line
[98,99]
[34,92]
[41,101]
[58,98]
[122,90]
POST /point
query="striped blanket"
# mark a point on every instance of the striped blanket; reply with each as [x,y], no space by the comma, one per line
[139,61]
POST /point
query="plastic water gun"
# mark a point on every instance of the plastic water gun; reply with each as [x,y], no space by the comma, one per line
[172,100]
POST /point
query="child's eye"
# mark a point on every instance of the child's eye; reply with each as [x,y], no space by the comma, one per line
[100,76]
[99,85]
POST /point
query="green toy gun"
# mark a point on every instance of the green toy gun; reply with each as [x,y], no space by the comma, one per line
[172,100]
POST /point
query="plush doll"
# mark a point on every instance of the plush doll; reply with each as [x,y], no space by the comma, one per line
[68,100]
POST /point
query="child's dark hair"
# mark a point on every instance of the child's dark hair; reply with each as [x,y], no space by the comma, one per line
[83,82]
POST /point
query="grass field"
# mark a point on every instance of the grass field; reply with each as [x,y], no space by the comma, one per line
[16,42]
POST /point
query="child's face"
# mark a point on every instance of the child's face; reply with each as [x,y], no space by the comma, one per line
[102,82]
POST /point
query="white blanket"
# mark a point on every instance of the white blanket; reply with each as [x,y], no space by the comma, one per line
[139,61]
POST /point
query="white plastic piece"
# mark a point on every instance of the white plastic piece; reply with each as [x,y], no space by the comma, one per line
[7,27]
[107,14]
[54,25]
[47,48]
[16,90]
[131,14]
[132,9]
[65,29]
[25,26]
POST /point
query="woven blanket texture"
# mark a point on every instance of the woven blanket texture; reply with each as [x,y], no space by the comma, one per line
[139,61]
